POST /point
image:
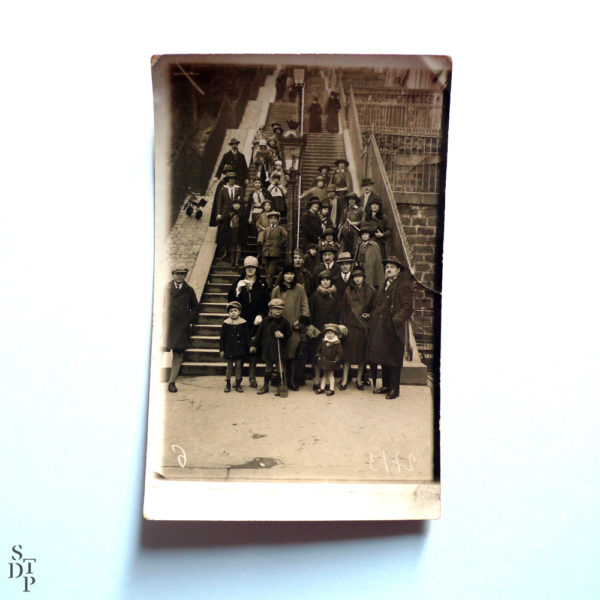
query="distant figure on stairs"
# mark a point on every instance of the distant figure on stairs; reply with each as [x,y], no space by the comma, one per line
[281,85]
[325,173]
[331,109]
[237,161]
[315,111]
[342,181]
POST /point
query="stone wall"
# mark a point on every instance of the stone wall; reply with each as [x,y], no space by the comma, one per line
[423,229]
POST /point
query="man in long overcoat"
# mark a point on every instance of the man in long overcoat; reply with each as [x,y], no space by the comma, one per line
[388,328]
[311,224]
[237,161]
[181,310]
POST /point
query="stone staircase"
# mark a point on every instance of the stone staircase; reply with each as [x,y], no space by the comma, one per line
[281,112]
[320,149]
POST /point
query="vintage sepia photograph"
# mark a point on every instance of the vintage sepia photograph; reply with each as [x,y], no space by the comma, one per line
[299,219]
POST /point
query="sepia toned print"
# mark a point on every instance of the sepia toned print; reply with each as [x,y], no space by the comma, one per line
[299,206]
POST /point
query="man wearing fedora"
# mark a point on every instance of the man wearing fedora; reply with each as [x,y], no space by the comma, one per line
[180,311]
[341,282]
[342,181]
[237,161]
[367,192]
[388,328]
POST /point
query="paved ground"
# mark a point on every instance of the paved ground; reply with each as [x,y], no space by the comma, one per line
[352,435]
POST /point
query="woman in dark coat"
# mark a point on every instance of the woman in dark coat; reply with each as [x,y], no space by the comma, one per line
[331,108]
[251,291]
[378,222]
[355,310]
[315,111]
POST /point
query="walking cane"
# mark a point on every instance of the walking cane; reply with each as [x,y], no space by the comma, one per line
[284,390]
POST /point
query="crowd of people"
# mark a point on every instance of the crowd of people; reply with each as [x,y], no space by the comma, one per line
[343,300]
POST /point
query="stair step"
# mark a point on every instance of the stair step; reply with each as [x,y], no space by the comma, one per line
[412,373]
[211,318]
[214,297]
[213,307]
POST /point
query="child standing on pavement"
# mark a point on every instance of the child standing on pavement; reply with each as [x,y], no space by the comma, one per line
[234,345]
[271,338]
[329,356]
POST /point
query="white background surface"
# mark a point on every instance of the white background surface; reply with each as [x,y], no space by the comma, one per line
[520,319]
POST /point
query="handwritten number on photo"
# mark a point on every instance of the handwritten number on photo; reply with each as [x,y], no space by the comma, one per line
[181,458]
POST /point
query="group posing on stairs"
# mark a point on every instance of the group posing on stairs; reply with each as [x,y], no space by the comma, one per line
[344,301]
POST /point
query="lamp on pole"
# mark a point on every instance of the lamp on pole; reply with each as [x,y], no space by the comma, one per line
[292,170]
[299,85]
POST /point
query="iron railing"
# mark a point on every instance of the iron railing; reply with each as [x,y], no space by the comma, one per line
[412,161]
[407,115]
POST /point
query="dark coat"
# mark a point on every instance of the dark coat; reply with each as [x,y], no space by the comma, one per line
[329,355]
[324,307]
[341,285]
[369,256]
[310,262]
[342,180]
[354,303]
[331,108]
[275,241]
[380,222]
[235,339]
[314,123]
[238,164]
[372,196]
[254,301]
[181,310]
[388,323]
[312,227]
[224,200]
[335,271]
[235,235]
[266,341]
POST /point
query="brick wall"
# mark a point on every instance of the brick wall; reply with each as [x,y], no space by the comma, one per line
[422,226]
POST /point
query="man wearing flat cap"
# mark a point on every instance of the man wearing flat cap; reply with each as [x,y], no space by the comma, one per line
[237,161]
[180,311]
[388,330]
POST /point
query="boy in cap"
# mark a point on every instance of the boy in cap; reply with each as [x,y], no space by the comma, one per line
[234,344]
[274,244]
[329,356]
[180,311]
[270,339]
